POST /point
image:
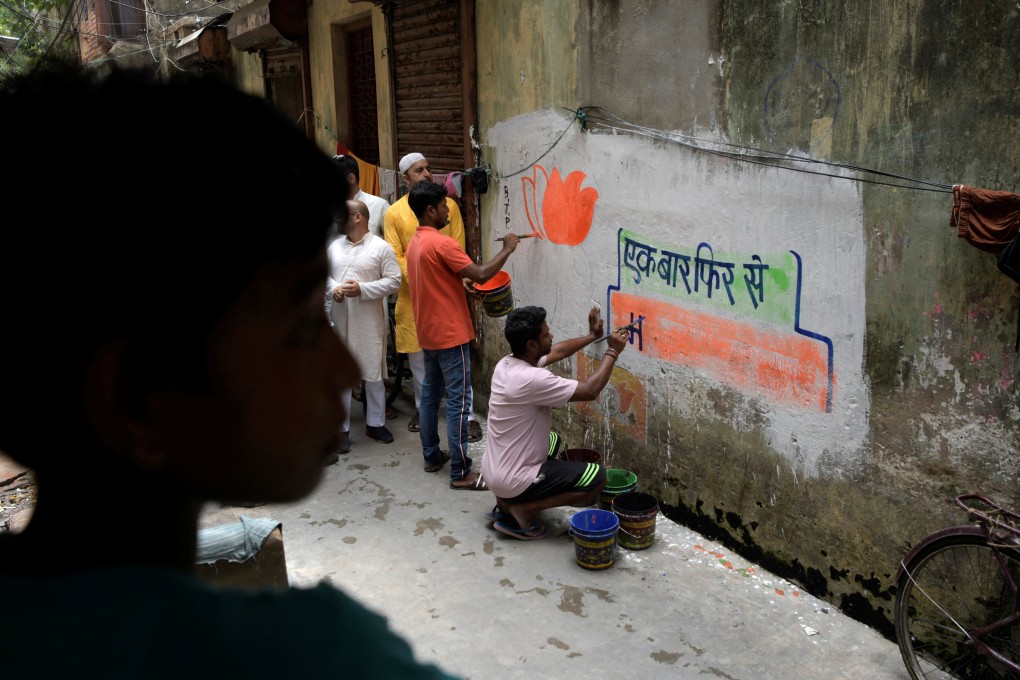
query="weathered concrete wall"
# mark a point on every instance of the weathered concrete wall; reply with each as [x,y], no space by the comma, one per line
[823,363]
[526,56]
[248,70]
[328,73]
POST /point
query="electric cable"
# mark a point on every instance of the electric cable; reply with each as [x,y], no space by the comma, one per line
[756,156]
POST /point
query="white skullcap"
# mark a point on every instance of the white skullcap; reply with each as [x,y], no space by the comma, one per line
[410,159]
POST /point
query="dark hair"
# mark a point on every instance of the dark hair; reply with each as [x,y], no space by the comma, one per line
[424,194]
[129,255]
[523,324]
[347,166]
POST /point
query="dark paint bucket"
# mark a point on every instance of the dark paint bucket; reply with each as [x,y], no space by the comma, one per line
[496,294]
[637,513]
[618,482]
[594,533]
[581,455]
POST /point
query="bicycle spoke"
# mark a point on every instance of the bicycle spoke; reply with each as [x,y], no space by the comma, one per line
[954,586]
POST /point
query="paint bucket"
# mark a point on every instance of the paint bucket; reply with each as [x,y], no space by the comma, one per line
[637,513]
[617,482]
[581,456]
[496,294]
[594,533]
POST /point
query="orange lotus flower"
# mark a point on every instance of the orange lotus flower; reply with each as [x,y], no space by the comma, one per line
[567,209]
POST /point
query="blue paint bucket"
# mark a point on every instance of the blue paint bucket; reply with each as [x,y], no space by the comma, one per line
[594,533]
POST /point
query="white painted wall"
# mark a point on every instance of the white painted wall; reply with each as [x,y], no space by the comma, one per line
[674,198]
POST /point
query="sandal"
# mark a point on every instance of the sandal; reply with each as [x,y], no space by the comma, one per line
[497,515]
[413,423]
[534,533]
[476,484]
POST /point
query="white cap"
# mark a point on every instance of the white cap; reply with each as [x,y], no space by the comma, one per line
[410,159]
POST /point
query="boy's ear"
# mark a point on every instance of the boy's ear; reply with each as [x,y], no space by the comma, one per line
[117,421]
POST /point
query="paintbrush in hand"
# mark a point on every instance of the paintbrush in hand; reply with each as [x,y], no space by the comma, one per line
[503,238]
[633,323]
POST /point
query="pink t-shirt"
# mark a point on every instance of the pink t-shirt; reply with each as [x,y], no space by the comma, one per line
[438,299]
[520,416]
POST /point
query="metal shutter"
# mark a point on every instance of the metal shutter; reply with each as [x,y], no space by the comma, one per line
[428,84]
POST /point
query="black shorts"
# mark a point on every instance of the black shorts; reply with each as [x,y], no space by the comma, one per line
[558,476]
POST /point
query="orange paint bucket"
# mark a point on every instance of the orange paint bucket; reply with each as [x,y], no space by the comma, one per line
[496,294]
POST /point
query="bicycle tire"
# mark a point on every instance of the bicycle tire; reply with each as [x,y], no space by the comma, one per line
[394,362]
[955,581]
[396,378]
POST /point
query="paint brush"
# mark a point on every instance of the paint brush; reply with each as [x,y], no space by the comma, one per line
[503,238]
[633,323]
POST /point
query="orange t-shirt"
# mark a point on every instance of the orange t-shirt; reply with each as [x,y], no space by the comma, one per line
[438,299]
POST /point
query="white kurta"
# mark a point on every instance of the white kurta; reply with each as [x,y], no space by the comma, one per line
[361,321]
[377,207]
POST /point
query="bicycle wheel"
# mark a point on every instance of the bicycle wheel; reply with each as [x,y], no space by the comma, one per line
[952,585]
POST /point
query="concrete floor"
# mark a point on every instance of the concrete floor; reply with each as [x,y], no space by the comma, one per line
[484,605]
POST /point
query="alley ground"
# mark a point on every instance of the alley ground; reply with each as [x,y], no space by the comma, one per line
[484,605]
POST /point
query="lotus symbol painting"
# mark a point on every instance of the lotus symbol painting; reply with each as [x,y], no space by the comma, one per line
[566,208]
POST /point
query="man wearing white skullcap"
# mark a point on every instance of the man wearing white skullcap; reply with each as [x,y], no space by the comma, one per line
[399,226]
[410,159]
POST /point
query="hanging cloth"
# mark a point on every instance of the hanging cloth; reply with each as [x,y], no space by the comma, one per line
[988,219]
[368,174]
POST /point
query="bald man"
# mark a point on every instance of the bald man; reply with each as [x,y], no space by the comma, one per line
[362,272]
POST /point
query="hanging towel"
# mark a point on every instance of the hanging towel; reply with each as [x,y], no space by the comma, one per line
[988,219]
[369,176]
[389,185]
[453,184]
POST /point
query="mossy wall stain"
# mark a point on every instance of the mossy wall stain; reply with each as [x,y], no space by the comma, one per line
[526,56]
[818,532]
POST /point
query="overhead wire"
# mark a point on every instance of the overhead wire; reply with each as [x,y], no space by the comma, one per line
[63,28]
[20,42]
[544,154]
[747,154]
[767,155]
[50,23]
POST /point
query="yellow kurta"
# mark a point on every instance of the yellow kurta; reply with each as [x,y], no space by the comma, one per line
[399,226]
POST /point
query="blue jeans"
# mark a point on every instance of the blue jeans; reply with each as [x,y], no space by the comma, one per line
[448,369]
